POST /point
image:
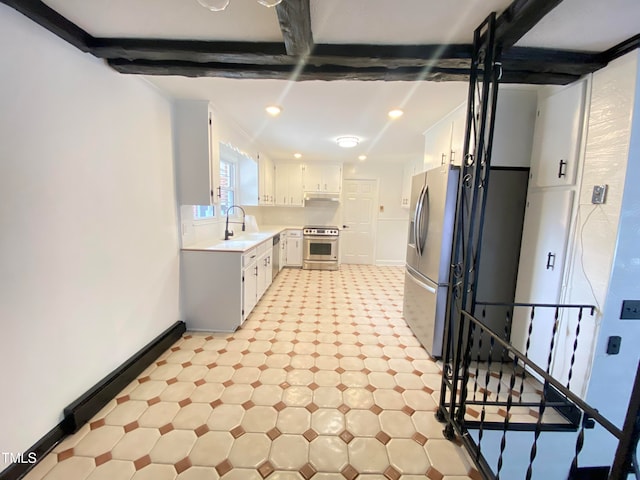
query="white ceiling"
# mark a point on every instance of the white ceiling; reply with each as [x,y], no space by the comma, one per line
[316,112]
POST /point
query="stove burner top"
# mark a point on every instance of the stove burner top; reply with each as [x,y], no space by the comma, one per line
[321,231]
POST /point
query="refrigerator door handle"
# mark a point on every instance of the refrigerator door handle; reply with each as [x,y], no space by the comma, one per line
[416,222]
[425,201]
[421,284]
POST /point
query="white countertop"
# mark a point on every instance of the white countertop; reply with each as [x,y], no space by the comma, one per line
[240,243]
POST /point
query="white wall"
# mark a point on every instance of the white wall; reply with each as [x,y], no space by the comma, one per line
[613,375]
[89,244]
[596,232]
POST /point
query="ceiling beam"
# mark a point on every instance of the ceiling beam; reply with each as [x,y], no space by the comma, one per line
[328,61]
[51,20]
[294,17]
[328,72]
[520,17]
[621,49]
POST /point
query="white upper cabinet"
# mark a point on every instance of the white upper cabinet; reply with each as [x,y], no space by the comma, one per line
[557,138]
[437,144]
[458,129]
[266,185]
[288,184]
[197,153]
[319,177]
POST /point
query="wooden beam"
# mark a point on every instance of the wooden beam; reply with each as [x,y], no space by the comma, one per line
[356,56]
[284,72]
[520,17]
[327,73]
[329,61]
[51,20]
[294,17]
[621,49]
[191,51]
[551,61]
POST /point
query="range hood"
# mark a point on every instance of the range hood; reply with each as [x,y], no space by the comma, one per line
[321,197]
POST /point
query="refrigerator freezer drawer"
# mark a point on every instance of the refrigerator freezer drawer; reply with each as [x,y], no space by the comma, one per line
[424,308]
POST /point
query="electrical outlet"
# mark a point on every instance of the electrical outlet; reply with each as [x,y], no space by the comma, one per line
[599,194]
[630,310]
[613,345]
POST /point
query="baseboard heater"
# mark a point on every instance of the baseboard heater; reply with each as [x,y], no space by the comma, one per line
[86,406]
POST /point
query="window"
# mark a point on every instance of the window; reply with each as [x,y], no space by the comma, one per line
[227,185]
[203,212]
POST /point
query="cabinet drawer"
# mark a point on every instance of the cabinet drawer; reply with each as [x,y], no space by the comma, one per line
[249,257]
[261,249]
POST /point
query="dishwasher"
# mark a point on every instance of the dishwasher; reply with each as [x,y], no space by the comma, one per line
[275,256]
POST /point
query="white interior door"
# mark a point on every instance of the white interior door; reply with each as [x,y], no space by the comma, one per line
[357,240]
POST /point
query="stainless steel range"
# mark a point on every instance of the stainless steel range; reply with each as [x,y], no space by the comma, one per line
[320,248]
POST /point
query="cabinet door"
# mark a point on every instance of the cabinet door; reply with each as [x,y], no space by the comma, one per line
[283,250]
[332,178]
[197,153]
[557,137]
[214,157]
[281,184]
[542,258]
[312,177]
[296,197]
[250,289]
[294,251]
[261,267]
[437,144]
[266,174]
[458,130]
[269,176]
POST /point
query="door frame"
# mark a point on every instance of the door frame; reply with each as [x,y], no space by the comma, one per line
[374,220]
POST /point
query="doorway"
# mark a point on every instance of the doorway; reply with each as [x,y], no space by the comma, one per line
[359,221]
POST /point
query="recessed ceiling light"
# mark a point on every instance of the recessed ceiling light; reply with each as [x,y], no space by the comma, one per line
[395,113]
[347,142]
[362,158]
[273,110]
[297,155]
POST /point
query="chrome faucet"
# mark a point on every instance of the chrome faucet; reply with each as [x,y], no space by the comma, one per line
[227,233]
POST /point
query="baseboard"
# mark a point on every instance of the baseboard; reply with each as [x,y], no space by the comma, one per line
[37,451]
[90,403]
[390,263]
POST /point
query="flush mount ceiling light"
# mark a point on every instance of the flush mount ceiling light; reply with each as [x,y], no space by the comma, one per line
[362,158]
[269,3]
[297,155]
[274,110]
[347,142]
[219,5]
[395,113]
[214,5]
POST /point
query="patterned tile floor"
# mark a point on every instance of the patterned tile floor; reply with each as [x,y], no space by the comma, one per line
[324,380]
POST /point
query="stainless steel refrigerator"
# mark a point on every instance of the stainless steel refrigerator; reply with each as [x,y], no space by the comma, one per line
[433,204]
[432,215]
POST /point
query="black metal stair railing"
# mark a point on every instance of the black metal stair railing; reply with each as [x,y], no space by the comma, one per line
[514,394]
[506,382]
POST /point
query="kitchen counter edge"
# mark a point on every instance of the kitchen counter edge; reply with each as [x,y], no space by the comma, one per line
[241,243]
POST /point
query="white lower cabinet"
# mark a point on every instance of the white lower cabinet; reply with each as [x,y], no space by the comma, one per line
[220,289]
[264,267]
[294,248]
[249,282]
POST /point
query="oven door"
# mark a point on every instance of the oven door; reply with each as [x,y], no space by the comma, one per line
[320,248]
